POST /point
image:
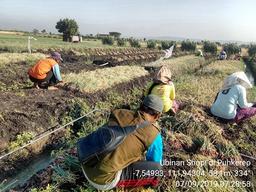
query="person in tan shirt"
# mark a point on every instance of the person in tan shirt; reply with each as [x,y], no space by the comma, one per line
[127,166]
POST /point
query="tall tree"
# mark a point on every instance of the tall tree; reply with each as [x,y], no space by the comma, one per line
[68,27]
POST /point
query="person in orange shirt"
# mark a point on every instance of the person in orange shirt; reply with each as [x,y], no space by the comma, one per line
[46,72]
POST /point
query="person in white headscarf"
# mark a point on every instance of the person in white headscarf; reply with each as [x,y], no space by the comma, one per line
[231,103]
[199,53]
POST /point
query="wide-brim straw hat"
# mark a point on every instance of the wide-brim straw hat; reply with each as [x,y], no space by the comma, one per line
[163,75]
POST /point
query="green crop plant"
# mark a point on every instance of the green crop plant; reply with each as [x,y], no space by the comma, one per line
[167,44]
[121,42]
[90,125]
[86,188]
[61,176]
[134,43]
[210,47]
[20,140]
[188,46]
[107,40]
[231,48]
[252,50]
[49,188]
[78,107]
[151,44]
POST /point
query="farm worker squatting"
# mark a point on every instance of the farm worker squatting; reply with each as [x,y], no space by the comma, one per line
[200,53]
[163,87]
[46,72]
[231,103]
[223,55]
[124,167]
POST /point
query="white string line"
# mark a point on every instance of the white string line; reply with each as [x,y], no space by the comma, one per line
[33,141]
[49,133]
[250,157]
[9,185]
[103,64]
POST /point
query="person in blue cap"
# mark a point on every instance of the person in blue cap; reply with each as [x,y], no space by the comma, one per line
[136,162]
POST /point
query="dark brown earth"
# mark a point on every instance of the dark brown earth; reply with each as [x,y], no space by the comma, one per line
[30,110]
[14,76]
[33,110]
[42,178]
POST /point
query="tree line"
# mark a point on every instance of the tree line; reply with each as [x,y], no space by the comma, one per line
[69,28]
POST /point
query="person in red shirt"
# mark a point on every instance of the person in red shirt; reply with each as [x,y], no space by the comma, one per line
[46,72]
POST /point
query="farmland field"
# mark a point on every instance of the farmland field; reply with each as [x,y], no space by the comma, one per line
[18,43]
[192,134]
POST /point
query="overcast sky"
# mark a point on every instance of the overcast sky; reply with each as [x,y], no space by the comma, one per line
[201,19]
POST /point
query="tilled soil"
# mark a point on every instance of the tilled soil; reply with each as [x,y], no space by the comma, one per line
[58,105]
[24,109]
[29,110]
[14,76]
[33,110]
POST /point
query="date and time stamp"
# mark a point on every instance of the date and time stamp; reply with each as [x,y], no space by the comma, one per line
[193,170]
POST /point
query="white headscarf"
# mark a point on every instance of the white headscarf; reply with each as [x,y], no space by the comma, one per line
[237,78]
